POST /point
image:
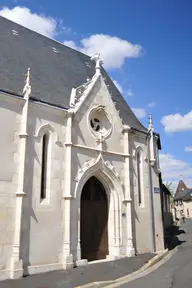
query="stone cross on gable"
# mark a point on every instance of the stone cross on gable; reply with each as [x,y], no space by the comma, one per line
[98,61]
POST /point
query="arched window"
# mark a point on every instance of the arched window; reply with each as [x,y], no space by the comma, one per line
[44,162]
[139,178]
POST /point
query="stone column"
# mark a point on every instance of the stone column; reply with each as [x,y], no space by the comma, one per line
[67,197]
[128,201]
[79,235]
[16,269]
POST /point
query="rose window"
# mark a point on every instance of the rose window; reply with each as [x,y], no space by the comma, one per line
[99,122]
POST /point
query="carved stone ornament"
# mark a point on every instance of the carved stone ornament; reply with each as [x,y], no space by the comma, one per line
[100,164]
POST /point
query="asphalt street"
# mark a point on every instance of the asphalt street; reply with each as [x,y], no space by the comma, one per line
[177,271]
[71,278]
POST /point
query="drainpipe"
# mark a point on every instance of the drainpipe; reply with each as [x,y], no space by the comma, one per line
[151,206]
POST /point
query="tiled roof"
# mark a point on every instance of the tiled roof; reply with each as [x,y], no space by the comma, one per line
[185,195]
[55,69]
[181,187]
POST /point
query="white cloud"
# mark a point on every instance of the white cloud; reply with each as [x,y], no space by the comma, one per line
[188,149]
[113,50]
[119,87]
[71,44]
[177,122]
[39,23]
[139,112]
[152,104]
[130,92]
[121,90]
[173,168]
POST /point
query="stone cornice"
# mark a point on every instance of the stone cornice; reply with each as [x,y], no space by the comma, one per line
[96,149]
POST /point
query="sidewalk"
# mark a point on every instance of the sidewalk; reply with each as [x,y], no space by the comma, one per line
[102,271]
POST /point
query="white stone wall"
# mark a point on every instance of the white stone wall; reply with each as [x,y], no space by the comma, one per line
[10,112]
[42,229]
[141,216]
[45,224]
[159,241]
[141,213]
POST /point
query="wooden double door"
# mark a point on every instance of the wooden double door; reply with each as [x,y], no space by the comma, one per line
[94,221]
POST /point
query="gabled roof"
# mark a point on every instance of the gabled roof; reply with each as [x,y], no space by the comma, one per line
[181,187]
[55,69]
[185,195]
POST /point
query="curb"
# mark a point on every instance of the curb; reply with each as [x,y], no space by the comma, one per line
[116,282]
[155,259]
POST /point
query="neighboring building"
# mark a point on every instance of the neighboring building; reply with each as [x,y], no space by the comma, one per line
[79,175]
[183,200]
[181,187]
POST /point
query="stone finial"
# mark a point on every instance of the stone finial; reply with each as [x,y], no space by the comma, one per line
[99,62]
[150,126]
[27,87]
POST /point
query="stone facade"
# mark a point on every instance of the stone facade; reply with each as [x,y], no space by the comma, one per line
[38,236]
[183,207]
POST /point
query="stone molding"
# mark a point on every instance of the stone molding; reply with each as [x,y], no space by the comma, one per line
[47,128]
[96,164]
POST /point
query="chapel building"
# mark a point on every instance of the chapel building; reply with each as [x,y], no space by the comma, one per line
[79,174]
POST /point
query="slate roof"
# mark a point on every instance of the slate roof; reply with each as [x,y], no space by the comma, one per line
[53,74]
[185,195]
[181,187]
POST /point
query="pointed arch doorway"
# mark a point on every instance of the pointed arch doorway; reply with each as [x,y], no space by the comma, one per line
[94,221]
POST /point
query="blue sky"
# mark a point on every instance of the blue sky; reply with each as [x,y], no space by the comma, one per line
[146,46]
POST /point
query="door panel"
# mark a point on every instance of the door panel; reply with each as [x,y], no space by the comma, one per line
[94,223]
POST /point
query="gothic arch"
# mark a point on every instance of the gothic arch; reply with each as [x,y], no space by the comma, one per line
[106,174]
[47,128]
[138,149]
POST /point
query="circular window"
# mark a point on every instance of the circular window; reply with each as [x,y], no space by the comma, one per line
[95,124]
[99,122]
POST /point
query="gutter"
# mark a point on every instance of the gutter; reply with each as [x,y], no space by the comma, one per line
[34,99]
